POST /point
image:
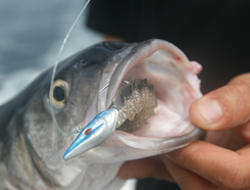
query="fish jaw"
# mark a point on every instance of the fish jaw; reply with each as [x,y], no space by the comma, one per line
[176,87]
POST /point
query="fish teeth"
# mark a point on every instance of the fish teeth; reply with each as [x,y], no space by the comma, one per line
[135,102]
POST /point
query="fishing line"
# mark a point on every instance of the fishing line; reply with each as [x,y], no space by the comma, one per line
[55,67]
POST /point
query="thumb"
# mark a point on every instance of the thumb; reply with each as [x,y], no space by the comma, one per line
[224,108]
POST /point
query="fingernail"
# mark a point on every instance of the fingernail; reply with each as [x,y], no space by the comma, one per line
[211,111]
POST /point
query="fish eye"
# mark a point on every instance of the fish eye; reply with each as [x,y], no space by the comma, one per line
[60,94]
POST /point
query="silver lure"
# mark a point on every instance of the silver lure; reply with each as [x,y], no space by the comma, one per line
[94,134]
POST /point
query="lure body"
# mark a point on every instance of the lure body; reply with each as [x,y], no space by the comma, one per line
[94,134]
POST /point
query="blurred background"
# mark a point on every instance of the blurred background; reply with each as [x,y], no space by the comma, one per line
[31,35]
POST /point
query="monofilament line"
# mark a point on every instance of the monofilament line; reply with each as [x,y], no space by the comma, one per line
[55,67]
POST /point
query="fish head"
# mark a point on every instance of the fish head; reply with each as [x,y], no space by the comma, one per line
[85,85]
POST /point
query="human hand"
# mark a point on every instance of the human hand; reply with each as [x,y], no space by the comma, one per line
[223,162]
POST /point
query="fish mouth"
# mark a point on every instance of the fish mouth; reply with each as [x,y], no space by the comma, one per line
[176,87]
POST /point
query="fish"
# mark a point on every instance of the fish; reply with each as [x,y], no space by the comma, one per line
[32,148]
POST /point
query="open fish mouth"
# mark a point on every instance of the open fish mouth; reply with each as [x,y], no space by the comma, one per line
[176,87]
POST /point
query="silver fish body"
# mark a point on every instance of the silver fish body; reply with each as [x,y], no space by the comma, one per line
[32,149]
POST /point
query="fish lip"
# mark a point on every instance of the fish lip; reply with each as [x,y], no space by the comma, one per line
[165,144]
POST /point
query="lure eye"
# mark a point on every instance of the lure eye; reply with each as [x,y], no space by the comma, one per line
[60,94]
[88,131]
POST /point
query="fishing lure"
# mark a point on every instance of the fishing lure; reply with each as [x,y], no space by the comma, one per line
[134,102]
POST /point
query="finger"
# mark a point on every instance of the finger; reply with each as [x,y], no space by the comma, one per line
[224,168]
[224,108]
[147,167]
[241,79]
[233,139]
[185,179]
